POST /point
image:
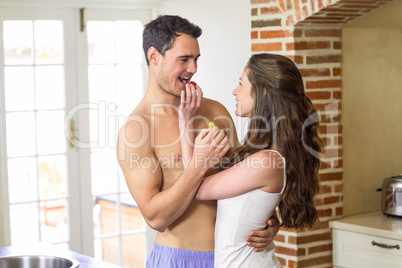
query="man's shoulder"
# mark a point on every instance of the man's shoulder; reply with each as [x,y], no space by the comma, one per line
[213,106]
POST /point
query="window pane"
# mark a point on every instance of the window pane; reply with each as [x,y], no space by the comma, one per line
[21,134]
[24,221]
[104,172]
[54,221]
[122,182]
[101,83]
[18,39]
[48,42]
[52,176]
[107,214]
[131,218]
[107,249]
[49,87]
[19,82]
[133,247]
[129,84]
[22,179]
[100,42]
[128,36]
[50,129]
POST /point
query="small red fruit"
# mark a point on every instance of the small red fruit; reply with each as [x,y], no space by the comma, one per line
[193,83]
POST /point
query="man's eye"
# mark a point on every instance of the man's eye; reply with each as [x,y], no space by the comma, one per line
[184,60]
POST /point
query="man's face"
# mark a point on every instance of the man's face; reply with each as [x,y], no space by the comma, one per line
[179,64]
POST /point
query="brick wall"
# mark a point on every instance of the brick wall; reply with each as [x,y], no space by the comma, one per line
[309,32]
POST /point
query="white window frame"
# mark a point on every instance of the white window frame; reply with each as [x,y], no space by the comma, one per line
[80,83]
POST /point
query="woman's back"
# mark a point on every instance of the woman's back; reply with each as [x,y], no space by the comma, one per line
[236,218]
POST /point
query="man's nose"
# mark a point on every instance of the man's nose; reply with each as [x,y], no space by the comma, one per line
[192,67]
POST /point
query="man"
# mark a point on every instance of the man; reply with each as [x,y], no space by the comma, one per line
[149,151]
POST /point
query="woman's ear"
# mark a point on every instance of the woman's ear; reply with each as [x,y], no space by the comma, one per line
[153,55]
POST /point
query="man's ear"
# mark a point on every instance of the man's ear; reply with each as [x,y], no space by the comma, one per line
[153,55]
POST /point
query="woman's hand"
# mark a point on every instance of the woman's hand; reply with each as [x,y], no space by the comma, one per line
[210,146]
[190,103]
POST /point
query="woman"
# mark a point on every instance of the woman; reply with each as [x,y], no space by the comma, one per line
[276,167]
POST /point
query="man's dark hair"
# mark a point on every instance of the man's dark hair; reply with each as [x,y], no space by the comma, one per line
[161,32]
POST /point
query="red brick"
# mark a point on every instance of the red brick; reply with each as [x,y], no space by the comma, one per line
[339,211]
[319,95]
[325,189]
[324,212]
[322,33]
[324,59]
[332,200]
[321,248]
[270,10]
[316,261]
[339,188]
[276,34]
[320,225]
[296,59]
[337,176]
[337,95]
[337,45]
[324,165]
[280,238]
[265,23]
[311,238]
[297,33]
[324,84]
[292,264]
[290,251]
[266,47]
[281,5]
[303,45]
[315,72]
[254,12]
[254,34]
[337,71]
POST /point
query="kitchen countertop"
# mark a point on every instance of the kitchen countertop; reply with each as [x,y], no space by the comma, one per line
[83,260]
[375,223]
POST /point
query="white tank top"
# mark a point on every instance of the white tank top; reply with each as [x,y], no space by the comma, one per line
[236,218]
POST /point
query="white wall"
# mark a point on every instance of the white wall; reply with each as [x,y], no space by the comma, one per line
[225,45]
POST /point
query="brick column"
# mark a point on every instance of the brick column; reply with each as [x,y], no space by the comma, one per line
[309,33]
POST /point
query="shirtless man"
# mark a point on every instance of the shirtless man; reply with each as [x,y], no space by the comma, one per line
[149,151]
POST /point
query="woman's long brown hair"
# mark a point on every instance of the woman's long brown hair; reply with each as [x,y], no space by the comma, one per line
[286,119]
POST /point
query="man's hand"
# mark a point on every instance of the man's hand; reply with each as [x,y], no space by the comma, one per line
[263,238]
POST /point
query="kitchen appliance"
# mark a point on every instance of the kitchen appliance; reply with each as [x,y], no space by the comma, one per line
[391,197]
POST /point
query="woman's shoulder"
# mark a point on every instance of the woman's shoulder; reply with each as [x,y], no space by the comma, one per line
[270,156]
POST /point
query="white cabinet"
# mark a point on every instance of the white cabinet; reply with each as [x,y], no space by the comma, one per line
[369,240]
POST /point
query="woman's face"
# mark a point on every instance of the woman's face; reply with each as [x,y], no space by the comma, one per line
[243,96]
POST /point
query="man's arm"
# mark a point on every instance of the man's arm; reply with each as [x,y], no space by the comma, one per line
[159,208]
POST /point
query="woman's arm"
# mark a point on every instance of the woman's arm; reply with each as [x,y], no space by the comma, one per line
[263,169]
